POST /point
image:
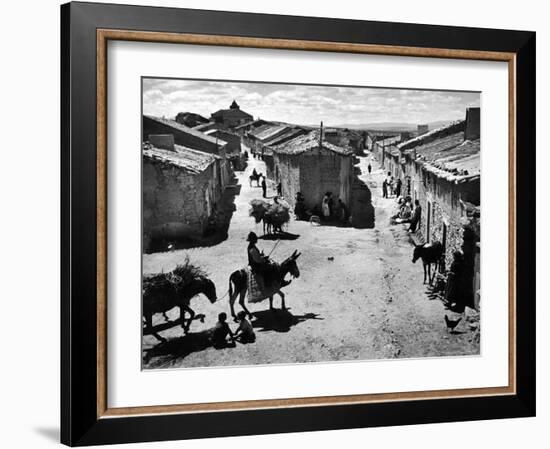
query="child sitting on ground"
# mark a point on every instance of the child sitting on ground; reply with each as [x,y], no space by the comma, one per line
[220,333]
[245,332]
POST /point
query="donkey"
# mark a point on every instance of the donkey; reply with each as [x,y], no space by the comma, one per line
[431,254]
[238,283]
[273,216]
[254,177]
[162,292]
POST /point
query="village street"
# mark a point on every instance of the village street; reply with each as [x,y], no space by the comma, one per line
[359,295]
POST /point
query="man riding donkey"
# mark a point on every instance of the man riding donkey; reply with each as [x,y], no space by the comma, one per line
[263,279]
[265,270]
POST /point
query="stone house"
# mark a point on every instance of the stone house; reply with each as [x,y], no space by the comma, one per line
[344,137]
[231,117]
[232,148]
[382,142]
[267,151]
[258,137]
[311,165]
[189,138]
[181,189]
[441,169]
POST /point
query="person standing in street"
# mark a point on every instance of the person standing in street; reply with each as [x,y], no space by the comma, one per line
[416,216]
[385,189]
[398,185]
[369,168]
[264,187]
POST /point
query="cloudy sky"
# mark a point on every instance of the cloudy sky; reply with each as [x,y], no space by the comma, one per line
[305,104]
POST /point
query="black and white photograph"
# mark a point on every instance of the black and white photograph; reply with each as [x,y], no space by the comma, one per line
[292,223]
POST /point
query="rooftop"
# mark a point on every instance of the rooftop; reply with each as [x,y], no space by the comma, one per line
[235,112]
[271,132]
[190,160]
[308,142]
[450,157]
[451,128]
[251,122]
[260,129]
[285,136]
[182,128]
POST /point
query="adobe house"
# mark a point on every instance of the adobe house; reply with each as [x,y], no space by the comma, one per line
[443,167]
[231,117]
[189,138]
[267,152]
[232,147]
[344,137]
[381,144]
[181,188]
[232,139]
[311,165]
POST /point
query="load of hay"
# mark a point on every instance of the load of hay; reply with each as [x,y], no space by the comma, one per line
[258,208]
[278,214]
[178,278]
[275,214]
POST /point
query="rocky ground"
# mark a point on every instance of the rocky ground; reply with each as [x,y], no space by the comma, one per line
[359,295]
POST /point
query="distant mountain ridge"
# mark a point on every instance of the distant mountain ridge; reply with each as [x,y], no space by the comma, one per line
[393,126]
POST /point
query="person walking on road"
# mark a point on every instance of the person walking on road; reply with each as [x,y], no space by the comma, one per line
[369,168]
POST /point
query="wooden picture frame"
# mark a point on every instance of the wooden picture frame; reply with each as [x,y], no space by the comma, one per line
[86,29]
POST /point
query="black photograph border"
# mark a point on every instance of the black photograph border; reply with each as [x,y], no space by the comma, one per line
[82,422]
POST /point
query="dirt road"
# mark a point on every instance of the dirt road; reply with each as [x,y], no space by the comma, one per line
[359,295]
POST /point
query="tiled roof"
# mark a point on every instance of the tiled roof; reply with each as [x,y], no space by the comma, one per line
[260,129]
[285,136]
[308,142]
[451,128]
[251,122]
[182,128]
[190,160]
[451,157]
[271,132]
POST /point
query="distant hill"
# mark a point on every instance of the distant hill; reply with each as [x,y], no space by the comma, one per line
[393,126]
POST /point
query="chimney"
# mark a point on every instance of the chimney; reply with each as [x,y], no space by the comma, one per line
[472,124]
[162,141]
[422,129]
[321,136]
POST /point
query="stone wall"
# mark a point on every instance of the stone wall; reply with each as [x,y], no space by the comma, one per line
[176,203]
[287,170]
[233,141]
[444,219]
[313,174]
